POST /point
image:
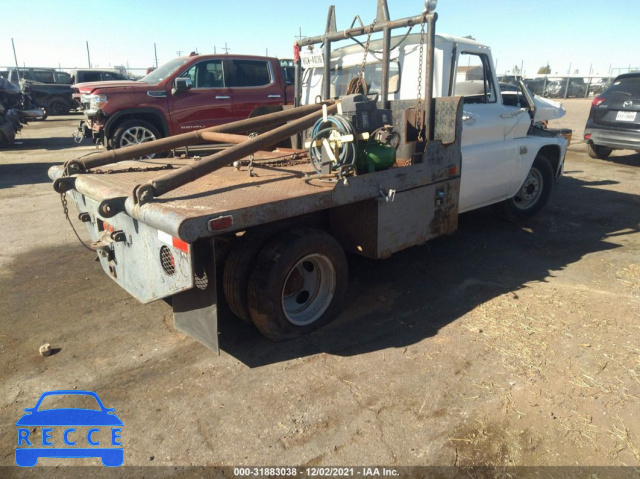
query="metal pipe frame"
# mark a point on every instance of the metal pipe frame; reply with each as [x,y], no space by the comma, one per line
[96,160]
[383,24]
[191,172]
[364,30]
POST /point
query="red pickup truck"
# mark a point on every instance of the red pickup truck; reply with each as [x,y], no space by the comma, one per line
[187,93]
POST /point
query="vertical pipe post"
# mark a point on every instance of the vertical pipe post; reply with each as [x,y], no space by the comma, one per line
[326,78]
[297,89]
[88,56]
[15,57]
[429,112]
[386,54]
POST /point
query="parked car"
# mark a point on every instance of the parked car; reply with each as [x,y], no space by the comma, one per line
[86,75]
[557,88]
[187,93]
[599,86]
[48,87]
[614,119]
[536,85]
[42,75]
[507,86]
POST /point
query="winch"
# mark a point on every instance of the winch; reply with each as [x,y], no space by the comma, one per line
[360,138]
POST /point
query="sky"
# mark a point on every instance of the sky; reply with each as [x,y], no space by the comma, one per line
[572,36]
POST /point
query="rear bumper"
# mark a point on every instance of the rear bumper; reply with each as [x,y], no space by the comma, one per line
[617,139]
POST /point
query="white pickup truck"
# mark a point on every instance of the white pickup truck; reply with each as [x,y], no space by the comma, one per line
[271,227]
[509,158]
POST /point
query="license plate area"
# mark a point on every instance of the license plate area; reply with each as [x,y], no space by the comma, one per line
[626,116]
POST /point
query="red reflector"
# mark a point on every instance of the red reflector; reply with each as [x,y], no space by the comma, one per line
[597,101]
[587,136]
[220,223]
[452,170]
[181,245]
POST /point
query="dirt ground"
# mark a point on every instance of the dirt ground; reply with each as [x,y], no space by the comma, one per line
[501,345]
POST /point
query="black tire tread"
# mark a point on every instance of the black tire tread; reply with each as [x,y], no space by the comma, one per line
[238,268]
[266,281]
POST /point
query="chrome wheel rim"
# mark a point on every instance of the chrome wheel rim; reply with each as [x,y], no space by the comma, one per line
[136,135]
[530,190]
[308,290]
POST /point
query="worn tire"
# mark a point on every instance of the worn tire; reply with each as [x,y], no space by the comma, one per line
[598,152]
[57,106]
[238,268]
[532,196]
[298,283]
[133,132]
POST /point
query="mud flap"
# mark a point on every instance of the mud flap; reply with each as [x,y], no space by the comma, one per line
[195,312]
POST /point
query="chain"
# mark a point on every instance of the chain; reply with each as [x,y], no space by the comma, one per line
[364,59]
[132,169]
[419,105]
[65,208]
[250,168]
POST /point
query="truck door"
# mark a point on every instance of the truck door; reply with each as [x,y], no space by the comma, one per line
[489,151]
[207,103]
[253,83]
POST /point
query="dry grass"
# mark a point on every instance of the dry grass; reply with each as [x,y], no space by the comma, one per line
[580,364]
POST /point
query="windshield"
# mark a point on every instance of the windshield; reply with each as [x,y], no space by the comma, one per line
[163,71]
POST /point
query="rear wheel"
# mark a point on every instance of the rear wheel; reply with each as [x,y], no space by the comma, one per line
[532,196]
[599,152]
[298,283]
[57,106]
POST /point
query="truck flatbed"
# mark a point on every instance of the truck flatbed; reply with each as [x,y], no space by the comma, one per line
[280,189]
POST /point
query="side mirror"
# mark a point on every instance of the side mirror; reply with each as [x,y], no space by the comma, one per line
[182,84]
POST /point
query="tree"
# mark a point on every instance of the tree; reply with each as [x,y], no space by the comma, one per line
[545,69]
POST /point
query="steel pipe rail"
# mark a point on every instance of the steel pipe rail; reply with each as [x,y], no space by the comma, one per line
[357,31]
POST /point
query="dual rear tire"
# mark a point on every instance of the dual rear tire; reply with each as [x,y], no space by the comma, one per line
[287,285]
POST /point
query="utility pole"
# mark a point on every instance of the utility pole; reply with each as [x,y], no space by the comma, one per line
[226,48]
[16,60]
[299,35]
[179,53]
[88,55]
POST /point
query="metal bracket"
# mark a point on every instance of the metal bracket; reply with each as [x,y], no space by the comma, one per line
[143,194]
[64,184]
[387,196]
[112,206]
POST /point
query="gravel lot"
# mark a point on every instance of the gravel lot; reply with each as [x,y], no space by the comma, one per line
[501,345]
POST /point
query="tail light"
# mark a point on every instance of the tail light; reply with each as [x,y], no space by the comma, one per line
[597,101]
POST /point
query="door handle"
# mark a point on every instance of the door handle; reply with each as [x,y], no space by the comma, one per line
[222,97]
[274,96]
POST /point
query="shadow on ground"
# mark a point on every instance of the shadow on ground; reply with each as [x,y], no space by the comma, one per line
[50,144]
[402,300]
[16,174]
[390,303]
